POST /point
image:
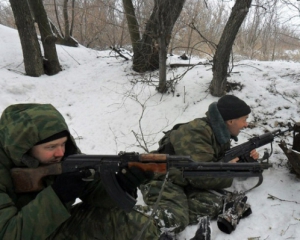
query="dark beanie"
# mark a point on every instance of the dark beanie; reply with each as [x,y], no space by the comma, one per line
[231,107]
[54,137]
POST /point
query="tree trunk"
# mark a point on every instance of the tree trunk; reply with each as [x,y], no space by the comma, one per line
[162,86]
[51,62]
[66,18]
[73,17]
[68,39]
[133,26]
[164,16]
[33,60]
[57,19]
[222,55]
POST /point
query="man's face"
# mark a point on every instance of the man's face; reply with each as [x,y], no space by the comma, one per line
[49,152]
[236,125]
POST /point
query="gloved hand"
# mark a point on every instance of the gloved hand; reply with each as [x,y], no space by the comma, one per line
[234,210]
[131,178]
[69,186]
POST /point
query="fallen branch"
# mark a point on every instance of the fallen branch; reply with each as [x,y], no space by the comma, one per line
[282,200]
[119,52]
[175,65]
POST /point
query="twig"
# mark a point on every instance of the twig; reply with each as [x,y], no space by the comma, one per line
[282,200]
[78,137]
[248,66]
[115,137]
[284,231]
[119,52]
[176,65]
[155,207]
[281,94]
[140,144]
[70,55]
[209,43]
[16,71]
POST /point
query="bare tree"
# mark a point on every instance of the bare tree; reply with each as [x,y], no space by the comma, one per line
[101,24]
[33,60]
[64,36]
[163,17]
[133,25]
[51,62]
[222,55]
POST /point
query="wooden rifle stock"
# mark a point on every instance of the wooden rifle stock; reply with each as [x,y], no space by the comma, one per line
[31,179]
[155,163]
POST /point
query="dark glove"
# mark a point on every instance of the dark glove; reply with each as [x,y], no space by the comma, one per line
[131,178]
[69,186]
[234,210]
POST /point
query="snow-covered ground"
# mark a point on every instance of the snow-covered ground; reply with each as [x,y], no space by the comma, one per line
[106,111]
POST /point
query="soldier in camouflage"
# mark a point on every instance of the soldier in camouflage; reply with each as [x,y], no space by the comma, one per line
[37,134]
[187,201]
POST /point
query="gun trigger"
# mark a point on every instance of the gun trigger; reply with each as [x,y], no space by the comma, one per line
[91,177]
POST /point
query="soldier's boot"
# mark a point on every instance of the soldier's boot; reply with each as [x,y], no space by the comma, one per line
[204,231]
[233,211]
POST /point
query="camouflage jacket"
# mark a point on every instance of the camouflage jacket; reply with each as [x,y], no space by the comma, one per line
[34,215]
[204,140]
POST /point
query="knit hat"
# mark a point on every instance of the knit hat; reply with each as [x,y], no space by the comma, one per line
[54,137]
[231,107]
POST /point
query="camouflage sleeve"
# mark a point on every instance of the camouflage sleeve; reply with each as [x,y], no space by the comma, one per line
[196,139]
[36,220]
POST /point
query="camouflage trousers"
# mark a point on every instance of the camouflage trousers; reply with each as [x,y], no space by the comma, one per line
[179,206]
[87,222]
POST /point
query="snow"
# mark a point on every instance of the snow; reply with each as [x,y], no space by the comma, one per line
[105,111]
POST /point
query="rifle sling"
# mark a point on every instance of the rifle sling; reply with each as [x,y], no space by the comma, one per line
[224,192]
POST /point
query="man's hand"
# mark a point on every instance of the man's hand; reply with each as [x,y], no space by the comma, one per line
[235,160]
[131,178]
[254,154]
[69,186]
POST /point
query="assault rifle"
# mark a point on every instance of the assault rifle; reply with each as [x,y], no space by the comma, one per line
[30,179]
[242,151]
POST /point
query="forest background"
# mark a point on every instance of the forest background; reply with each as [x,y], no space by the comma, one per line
[220,31]
[269,33]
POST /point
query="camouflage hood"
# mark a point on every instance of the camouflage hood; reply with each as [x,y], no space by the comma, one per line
[23,125]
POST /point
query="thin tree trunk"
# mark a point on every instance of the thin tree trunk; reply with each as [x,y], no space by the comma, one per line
[51,62]
[73,17]
[222,55]
[147,56]
[64,38]
[162,86]
[56,14]
[162,65]
[33,60]
[66,18]
[132,23]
